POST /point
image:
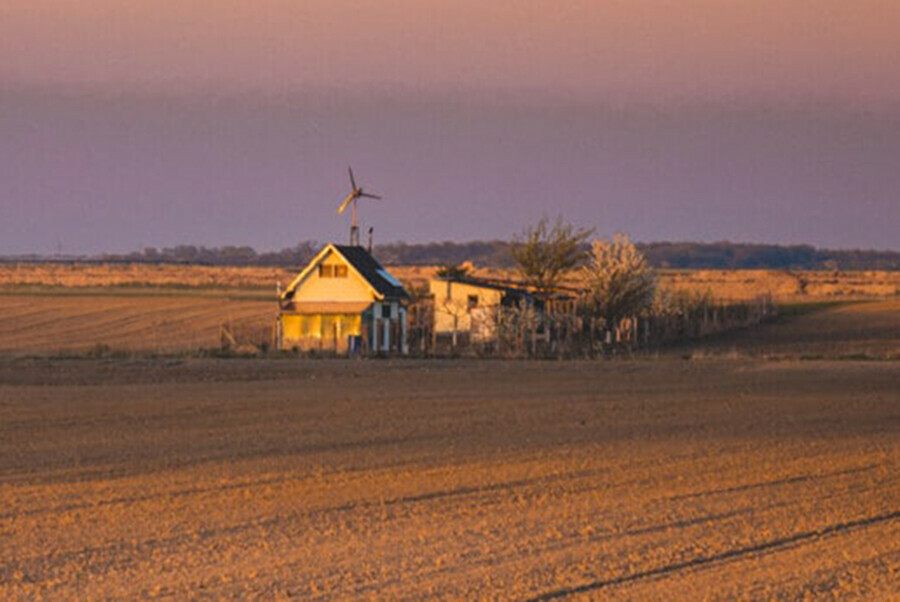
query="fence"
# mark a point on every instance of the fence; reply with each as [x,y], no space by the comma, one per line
[524,332]
[520,332]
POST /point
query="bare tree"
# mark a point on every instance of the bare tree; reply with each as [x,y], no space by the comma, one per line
[621,282]
[544,252]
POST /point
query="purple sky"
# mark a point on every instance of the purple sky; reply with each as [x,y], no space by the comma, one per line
[152,124]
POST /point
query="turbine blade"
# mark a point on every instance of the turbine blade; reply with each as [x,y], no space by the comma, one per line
[352,179]
[346,202]
[370,196]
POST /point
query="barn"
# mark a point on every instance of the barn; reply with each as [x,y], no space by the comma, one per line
[344,302]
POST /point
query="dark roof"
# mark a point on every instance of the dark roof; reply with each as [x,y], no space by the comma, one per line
[514,287]
[511,289]
[371,270]
[483,283]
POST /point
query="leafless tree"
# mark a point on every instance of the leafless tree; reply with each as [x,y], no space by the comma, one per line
[545,251]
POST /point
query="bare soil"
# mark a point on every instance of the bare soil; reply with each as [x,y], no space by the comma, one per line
[147,321]
[666,479]
[722,284]
[128,321]
[862,330]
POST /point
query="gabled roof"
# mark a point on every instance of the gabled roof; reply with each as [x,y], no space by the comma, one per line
[382,283]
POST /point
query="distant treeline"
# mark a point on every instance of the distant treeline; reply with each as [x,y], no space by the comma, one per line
[737,256]
[674,255]
[297,255]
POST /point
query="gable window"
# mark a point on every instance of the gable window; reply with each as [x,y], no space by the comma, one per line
[326,271]
[340,271]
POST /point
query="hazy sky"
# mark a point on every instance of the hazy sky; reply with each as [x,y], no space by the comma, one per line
[129,124]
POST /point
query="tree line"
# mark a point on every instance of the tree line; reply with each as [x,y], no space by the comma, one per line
[663,255]
[499,254]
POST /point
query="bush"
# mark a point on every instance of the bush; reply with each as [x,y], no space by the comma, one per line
[620,281]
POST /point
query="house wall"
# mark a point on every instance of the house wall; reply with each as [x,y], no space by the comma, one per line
[319,331]
[451,304]
[317,289]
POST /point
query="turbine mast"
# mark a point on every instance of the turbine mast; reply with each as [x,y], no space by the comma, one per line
[354,229]
[356,193]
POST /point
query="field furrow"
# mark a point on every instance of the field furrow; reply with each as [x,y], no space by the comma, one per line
[329,480]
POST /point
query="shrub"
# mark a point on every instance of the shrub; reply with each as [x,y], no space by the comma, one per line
[620,281]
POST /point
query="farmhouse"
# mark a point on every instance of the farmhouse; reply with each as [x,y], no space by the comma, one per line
[471,307]
[344,301]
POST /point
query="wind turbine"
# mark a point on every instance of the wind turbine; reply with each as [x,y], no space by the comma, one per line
[355,194]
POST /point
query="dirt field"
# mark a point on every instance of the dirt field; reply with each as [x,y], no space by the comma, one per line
[666,479]
[148,321]
[80,275]
[862,330]
[723,284]
[127,321]
[76,308]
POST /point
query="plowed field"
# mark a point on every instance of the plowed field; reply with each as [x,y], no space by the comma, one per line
[60,321]
[869,329]
[138,320]
[663,479]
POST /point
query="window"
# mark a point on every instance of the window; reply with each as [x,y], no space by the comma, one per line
[340,271]
[386,312]
[326,271]
[473,301]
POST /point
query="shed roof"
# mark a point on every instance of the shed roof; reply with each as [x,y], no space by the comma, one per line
[513,287]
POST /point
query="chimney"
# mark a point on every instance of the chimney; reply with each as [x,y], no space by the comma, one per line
[371,230]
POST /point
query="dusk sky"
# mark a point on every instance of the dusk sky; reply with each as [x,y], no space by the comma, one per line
[138,123]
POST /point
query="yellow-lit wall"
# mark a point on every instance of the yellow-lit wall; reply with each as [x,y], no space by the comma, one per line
[451,301]
[316,289]
[315,331]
